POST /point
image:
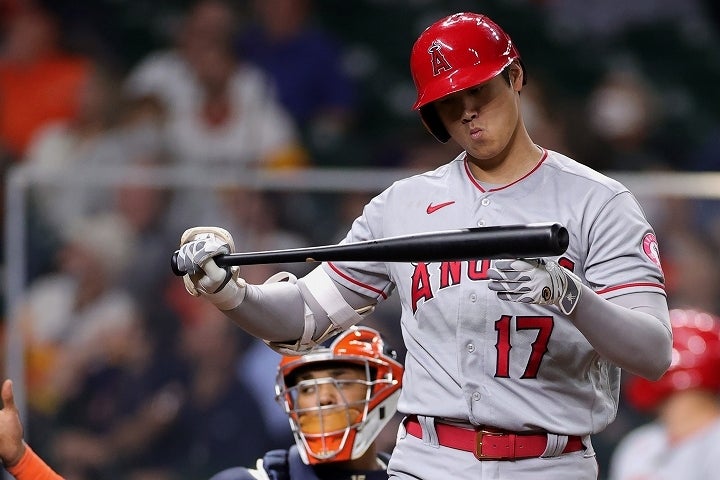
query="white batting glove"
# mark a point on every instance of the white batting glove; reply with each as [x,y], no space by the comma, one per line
[535,280]
[221,286]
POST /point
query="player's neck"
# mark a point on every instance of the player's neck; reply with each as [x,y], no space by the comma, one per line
[508,166]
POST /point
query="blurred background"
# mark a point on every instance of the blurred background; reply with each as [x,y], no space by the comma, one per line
[124,122]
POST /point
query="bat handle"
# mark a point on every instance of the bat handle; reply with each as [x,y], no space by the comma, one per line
[174,264]
[219,260]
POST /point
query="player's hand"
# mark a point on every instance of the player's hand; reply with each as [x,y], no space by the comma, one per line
[535,280]
[220,285]
[12,446]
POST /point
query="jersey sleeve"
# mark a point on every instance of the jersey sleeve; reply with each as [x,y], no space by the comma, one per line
[622,250]
[371,279]
[32,467]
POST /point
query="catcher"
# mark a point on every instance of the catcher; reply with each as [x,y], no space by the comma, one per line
[338,398]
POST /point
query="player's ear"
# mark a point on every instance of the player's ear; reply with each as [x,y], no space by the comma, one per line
[517,76]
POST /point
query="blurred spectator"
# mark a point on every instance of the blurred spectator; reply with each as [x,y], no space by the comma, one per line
[253,217]
[39,80]
[602,20]
[122,423]
[71,146]
[683,440]
[544,120]
[305,60]
[221,413]
[707,155]
[221,112]
[145,210]
[107,132]
[690,261]
[72,315]
[624,118]
[258,366]
[145,206]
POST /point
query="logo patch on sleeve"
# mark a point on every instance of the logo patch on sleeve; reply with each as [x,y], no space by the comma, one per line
[651,248]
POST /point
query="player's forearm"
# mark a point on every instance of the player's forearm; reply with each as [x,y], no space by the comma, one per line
[32,467]
[632,331]
[273,312]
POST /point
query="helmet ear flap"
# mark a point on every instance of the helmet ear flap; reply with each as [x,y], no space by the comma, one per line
[432,122]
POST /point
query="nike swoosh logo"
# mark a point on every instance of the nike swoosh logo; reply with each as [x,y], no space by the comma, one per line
[434,208]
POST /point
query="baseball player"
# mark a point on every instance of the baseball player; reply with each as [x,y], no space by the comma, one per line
[684,440]
[511,365]
[338,398]
[17,457]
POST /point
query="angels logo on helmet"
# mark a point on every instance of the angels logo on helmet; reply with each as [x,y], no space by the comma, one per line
[437,59]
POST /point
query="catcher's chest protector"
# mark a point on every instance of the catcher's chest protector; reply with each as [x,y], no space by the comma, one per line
[275,463]
[288,465]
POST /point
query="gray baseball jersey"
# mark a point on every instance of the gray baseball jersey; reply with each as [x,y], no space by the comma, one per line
[648,454]
[473,357]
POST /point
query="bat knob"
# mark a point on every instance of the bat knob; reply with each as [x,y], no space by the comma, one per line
[174,265]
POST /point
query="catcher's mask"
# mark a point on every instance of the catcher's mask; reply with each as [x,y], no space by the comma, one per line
[457,52]
[339,396]
[695,361]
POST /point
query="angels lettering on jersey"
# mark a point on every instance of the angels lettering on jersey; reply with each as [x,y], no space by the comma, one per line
[452,273]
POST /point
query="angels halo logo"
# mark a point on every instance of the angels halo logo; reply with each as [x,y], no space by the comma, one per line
[651,248]
[437,59]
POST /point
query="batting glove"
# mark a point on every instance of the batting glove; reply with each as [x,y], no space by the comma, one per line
[220,285]
[535,280]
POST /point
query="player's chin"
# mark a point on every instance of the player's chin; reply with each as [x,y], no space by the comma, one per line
[483,151]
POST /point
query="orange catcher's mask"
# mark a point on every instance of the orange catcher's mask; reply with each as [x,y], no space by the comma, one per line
[339,396]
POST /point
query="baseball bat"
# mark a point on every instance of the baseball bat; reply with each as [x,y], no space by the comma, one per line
[508,241]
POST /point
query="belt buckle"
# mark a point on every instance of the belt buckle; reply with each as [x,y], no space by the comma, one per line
[479,434]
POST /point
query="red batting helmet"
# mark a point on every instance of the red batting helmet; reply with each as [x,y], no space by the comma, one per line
[455,53]
[340,431]
[695,360]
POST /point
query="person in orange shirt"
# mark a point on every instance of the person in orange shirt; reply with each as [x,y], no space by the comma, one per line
[39,82]
[16,455]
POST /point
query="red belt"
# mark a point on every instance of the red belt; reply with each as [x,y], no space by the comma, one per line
[492,444]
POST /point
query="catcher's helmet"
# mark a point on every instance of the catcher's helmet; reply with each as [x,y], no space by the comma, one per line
[695,360]
[342,429]
[455,53]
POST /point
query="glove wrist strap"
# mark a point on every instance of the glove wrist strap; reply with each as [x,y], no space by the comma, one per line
[572,293]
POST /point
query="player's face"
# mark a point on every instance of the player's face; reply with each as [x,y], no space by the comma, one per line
[485,118]
[330,399]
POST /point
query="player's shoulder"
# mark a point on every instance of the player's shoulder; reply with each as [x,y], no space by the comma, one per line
[438,176]
[573,171]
